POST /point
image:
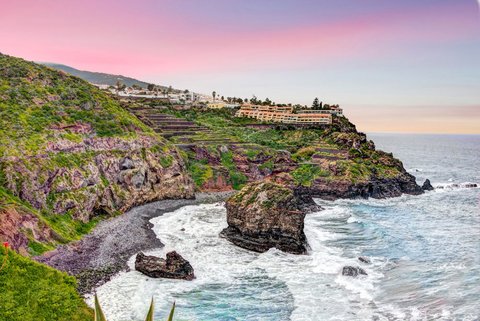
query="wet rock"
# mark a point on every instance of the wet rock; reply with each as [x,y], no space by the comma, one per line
[265,215]
[174,267]
[471,185]
[353,271]
[364,259]
[427,186]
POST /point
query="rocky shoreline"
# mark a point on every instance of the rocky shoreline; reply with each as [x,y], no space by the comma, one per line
[104,252]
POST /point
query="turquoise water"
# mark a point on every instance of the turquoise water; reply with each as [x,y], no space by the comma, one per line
[425,253]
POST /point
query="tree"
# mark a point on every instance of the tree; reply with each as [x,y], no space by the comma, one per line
[267,102]
[316,104]
[186,91]
[150,87]
[222,98]
[214,94]
[118,85]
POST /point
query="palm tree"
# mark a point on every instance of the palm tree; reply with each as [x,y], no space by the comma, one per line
[214,93]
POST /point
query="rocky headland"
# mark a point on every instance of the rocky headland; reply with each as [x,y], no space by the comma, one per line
[268,214]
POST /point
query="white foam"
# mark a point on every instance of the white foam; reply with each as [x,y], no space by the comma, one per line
[314,280]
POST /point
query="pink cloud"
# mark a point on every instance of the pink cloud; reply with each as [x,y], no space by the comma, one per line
[115,37]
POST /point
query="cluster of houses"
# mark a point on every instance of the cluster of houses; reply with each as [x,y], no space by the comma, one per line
[266,113]
[289,115]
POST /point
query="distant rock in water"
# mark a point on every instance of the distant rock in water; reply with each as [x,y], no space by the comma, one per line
[455,185]
[174,267]
[353,271]
[364,259]
[471,185]
[267,214]
[427,186]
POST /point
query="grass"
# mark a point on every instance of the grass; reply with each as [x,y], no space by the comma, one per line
[237,178]
[31,291]
[200,172]
[305,174]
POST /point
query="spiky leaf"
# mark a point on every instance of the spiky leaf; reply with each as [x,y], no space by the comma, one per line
[150,312]
[99,316]
[170,317]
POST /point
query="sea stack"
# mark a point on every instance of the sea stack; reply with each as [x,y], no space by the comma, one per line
[174,267]
[267,214]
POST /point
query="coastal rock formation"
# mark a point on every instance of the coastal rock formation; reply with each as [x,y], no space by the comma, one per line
[174,267]
[353,271]
[265,215]
[364,259]
[427,186]
[374,187]
[20,227]
[75,154]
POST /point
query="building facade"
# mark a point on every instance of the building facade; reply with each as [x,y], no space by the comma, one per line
[284,114]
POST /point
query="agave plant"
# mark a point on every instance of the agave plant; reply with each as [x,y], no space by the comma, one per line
[100,316]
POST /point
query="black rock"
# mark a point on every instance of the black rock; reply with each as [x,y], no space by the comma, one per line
[364,259]
[471,185]
[353,271]
[427,186]
[174,267]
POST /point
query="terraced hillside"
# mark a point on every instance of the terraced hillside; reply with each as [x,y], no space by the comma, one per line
[222,151]
[179,131]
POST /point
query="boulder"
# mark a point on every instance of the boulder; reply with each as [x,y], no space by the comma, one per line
[353,271]
[174,267]
[267,214]
[427,186]
[364,259]
[471,185]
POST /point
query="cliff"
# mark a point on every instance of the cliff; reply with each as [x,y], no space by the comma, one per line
[70,155]
[264,215]
[331,161]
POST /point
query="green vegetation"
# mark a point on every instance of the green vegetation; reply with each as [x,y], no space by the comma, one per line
[166,161]
[305,174]
[237,179]
[200,172]
[36,100]
[31,291]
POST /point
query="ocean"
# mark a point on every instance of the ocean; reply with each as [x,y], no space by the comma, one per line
[424,252]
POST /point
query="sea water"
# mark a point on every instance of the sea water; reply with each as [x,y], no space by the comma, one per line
[424,252]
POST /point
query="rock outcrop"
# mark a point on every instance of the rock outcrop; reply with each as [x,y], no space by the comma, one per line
[174,267]
[75,154]
[364,259]
[427,186]
[374,187]
[21,228]
[353,271]
[267,214]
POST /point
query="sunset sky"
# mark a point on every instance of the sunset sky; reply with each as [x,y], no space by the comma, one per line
[400,66]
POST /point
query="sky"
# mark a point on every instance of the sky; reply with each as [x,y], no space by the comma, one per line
[394,66]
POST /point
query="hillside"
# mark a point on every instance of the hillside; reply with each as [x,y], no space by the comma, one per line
[98,78]
[224,152]
[71,155]
[51,295]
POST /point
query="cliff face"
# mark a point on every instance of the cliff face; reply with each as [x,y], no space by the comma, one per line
[331,162]
[265,215]
[70,154]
